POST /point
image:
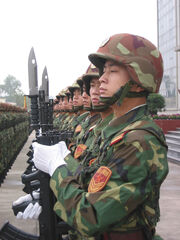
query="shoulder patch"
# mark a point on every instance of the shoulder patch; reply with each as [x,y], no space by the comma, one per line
[78,128]
[79,150]
[71,145]
[118,138]
[99,179]
[92,160]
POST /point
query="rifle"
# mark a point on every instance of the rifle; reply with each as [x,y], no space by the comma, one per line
[50,226]
[10,232]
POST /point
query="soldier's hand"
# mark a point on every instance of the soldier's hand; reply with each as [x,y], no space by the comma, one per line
[48,158]
[31,212]
[64,149]
[27,197]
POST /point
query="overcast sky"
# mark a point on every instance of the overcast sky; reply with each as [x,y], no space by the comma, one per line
[63,34]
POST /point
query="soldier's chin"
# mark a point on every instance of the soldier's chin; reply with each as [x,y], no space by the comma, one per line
[98,104]
[105,95]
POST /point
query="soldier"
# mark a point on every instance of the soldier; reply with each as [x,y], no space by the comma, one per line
[88,140]
[81,114]
[60,113]
[67,106]
[70,102]
[94,116]
[122,198]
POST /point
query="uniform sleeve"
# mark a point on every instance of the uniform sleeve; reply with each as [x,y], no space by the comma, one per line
[138,164]
[72,163]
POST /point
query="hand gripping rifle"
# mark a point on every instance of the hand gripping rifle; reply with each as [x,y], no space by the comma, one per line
[50,226]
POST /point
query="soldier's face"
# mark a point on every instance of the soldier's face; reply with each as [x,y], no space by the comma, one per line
[60,104]
[70,104]
[65,102]
[114,76]
[94,91]
[77,98]
[86,98]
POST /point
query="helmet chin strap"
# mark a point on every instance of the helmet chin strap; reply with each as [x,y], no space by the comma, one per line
[87,108]
[100,108]
[77,108]
[123,92]
[118,96]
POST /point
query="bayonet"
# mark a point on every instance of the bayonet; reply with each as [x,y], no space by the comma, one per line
[45,84]
[32,72]
[33,89]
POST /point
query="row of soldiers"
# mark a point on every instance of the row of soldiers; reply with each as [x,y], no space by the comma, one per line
[79,110]
[107,180]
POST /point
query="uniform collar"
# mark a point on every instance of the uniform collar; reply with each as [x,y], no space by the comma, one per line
[102,124]
[117,124]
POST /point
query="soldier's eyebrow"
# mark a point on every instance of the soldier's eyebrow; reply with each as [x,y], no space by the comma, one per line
[110,65]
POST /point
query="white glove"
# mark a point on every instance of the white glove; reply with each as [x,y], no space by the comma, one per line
[31,212]
[64,149]
[48,158]
[26,198]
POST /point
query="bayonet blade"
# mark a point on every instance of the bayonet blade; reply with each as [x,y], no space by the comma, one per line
[32,71]
[45,84]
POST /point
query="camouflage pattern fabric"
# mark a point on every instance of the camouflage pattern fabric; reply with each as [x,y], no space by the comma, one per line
[82,137]
[70,125]
[141,58]
[66,121]
[93,141]
[62,120]
[80,119]
[58,120]
[129,200]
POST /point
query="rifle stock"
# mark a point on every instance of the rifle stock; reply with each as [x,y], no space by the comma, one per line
[10,232]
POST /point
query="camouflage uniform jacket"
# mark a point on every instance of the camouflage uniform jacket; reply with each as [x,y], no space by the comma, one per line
[73,118]
[91,139]
[62,119]
[134,152]
[56,120]
[77,121]
[90,153]
[66,122]
[86,126]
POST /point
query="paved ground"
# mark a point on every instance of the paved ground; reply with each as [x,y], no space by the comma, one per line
[169,225]
[11,189]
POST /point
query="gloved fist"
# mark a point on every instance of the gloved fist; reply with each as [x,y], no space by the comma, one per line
[48,158]
[31,212]
[26,198]
[64,149]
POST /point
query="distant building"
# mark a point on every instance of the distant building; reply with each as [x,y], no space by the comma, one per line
[168,16]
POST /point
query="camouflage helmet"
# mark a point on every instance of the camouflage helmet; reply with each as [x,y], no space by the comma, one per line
[91,72]
[68,93]
[58,96]
[73,87]
[80,83]
[141,58]
[62,94]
